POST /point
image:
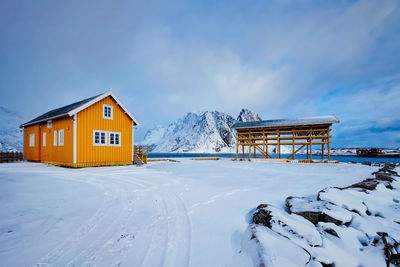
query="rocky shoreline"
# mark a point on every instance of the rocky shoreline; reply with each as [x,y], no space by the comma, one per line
[357,225]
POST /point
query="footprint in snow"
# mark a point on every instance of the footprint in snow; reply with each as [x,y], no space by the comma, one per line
[122,243]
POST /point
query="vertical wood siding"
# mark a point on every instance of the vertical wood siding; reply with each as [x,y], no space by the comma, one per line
[91,119]
[31,153]
[51,153]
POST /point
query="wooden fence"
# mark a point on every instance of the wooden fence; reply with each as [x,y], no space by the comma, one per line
[10,156]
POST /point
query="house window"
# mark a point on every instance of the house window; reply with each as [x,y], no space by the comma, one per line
[97,138]
[44,139]
[55,138]
[32,140]
[117,138]
[107,112]
[106,138]
[61,137]
[49,124]
[103,138]
[112,138]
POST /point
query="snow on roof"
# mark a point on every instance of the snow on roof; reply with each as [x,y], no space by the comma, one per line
[287,122]
[74,108]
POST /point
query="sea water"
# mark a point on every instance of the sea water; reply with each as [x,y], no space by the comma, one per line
[298,156]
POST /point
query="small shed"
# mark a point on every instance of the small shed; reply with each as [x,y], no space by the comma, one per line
[96,131]
[298,133]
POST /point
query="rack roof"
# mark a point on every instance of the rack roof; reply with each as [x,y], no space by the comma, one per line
[287,122]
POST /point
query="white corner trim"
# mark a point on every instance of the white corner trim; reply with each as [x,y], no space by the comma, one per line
[74,140]
[133,142]
[97,99]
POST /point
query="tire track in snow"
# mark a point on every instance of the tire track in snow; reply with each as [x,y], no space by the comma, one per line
[83,231]
[169,244]
[178,239]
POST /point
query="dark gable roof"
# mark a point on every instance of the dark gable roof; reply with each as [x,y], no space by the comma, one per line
[286,122]
[59,112]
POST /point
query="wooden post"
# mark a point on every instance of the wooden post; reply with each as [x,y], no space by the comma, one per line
[243,152]
[266,144]
[323,147]
[307,151]
[263,140]
[249,147]
[254,149]
[293,144]
[1,157]
[279,144]
[237,148]
[329,144]
[311,133]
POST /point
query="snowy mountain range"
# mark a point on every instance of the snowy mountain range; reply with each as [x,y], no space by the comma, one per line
[198,132]
[10,135]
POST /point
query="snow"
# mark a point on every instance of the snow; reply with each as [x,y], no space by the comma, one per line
[198,132]
[276,248]
[247,115]
[370,238]
[11,136]
[348,199]
[301,204]
[188,213]
[289,225]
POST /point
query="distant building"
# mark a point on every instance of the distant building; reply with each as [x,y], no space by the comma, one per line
[93,132]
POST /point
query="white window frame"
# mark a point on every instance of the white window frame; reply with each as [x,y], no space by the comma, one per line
[110,140]
[55,135]
[44,139]
[49,124]
[61,137]
[115,135]
[32,140]
[111,112]
[107,138]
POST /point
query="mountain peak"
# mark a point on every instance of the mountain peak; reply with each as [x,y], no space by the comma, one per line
[248,115]
[201,132]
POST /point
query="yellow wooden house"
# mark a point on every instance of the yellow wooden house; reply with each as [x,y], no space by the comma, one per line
[96,131]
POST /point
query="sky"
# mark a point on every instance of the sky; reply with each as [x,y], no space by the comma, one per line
[162,59]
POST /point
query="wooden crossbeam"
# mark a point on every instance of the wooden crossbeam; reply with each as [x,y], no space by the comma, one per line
[296,151]
[265,154]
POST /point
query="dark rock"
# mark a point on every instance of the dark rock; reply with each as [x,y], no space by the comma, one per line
[331,232]
[391,248]
[390,165]
[386,170]
[368,184]
[366,163]
[383,177]
[317,210]
[262,216]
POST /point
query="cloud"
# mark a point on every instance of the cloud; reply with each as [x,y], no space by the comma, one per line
[369,114]
[298,54]
[163,59]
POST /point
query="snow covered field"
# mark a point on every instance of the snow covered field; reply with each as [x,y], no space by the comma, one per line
[188,213]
